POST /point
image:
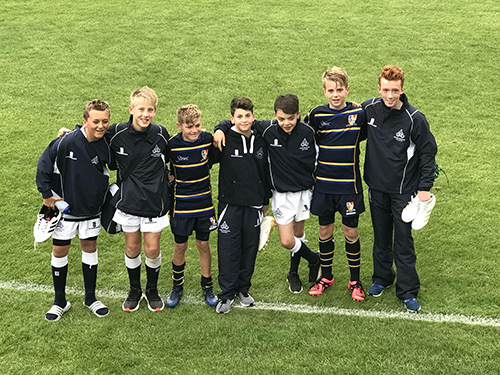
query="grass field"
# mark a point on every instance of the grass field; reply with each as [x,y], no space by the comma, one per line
[55,55]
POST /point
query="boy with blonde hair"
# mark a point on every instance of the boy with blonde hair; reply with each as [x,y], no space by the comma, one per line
[193,209]
[140,149]
[339,127]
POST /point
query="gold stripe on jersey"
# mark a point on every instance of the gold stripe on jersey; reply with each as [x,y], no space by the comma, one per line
[356,110]
[195,211]
[335,179]
[184,166]
[194,195]
[354,128]
[336,164]
[198,147]
[338,147]
[193,181]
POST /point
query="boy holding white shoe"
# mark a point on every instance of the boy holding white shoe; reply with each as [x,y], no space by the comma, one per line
[399,165]
[73,168]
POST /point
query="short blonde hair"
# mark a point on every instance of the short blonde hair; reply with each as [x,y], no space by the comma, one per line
[335,74]
[188,114]
[144,93]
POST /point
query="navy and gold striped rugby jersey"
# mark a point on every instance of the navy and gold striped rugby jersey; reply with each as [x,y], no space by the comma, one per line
[338,134]
[190,167]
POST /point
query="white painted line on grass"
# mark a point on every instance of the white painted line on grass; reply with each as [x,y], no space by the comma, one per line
[302,309]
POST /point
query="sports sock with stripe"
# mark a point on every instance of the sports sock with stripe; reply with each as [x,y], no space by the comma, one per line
[178,274]
[295,256]
[353,252]
[134,271]
[327,250]
[206,282]
[59,276]
[152,272]
[89,269]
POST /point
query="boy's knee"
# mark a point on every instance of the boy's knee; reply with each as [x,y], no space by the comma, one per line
[288,243]
[203,247]
[152,252]
[351,234]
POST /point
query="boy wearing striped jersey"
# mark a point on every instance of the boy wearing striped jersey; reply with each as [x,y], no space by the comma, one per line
[339,126]
[292,152]
[193,209]
[73,168]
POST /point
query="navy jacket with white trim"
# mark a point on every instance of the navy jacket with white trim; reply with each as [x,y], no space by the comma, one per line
[145,192]
[400,149]
[75,169]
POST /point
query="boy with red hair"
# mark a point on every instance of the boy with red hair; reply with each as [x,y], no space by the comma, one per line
[400,163]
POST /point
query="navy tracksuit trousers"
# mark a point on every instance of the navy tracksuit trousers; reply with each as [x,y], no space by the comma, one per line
[237,246]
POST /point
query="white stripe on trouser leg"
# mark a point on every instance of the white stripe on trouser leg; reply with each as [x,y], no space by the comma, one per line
[221,215]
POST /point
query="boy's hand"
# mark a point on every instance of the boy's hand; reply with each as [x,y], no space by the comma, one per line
[62,131]
[354,104]
[171,178]
[50,202]
[424,196]
[219,139]
[265,208]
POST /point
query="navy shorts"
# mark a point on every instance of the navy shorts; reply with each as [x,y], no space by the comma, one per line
[326,205]
[184,226]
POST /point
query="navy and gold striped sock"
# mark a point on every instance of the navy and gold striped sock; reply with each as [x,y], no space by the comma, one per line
[206,282]
[178,274]
[353,252]
[326,250]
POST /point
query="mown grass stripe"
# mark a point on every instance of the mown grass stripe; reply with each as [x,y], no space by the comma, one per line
[301,309]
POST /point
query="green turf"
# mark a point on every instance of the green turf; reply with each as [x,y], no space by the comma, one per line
[55,55]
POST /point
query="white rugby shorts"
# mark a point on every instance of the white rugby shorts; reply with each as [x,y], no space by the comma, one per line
[132,223]
[289,206]
[66,230]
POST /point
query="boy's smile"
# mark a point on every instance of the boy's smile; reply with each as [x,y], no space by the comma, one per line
[242,120]
[390,92]
[190,131]
[286,121]
[96,125]
[142,112]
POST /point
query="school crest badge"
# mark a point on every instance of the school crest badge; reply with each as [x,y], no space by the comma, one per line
[350,209]
[351,119]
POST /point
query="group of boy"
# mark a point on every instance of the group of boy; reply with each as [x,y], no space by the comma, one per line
[309,166]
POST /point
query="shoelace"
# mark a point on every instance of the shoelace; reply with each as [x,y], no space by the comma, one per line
[357,285]
[322,283]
